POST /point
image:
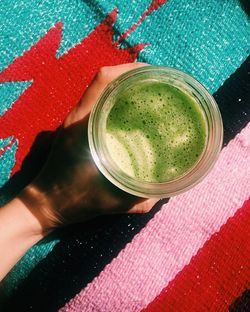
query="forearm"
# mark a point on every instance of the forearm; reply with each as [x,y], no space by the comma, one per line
[19,230]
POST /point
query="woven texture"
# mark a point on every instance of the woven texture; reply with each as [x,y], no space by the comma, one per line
[50,52]
[200,216]
[198,286]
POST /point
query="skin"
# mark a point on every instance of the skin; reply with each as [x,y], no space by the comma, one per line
[69,189]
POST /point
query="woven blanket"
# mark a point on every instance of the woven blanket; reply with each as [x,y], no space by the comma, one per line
[192,251]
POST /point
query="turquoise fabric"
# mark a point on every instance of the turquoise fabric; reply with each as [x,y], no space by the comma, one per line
[10,92]
[6,163]
[208,39]
[28,263]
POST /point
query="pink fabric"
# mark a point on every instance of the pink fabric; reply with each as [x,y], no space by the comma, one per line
[172,237]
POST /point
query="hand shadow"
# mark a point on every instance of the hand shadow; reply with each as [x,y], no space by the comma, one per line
[82,253]
[245,4]
[31,165]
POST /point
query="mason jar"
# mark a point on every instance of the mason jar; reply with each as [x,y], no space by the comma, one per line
[126,180]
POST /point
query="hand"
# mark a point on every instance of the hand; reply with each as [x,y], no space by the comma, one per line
[70,188]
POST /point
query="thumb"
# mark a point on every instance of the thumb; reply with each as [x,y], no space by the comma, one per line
[104,76]
[144,206]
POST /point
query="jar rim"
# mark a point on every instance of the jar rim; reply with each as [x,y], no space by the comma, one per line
[194,174]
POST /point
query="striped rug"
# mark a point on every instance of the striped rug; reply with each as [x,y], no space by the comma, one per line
[192,251]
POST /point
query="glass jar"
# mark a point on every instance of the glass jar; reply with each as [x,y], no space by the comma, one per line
[130,184]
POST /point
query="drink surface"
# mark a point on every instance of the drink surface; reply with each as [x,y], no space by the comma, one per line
[155,132]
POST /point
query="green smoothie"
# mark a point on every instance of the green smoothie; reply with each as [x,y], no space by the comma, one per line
[155,132]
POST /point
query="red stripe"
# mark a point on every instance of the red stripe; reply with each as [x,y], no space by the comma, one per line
[218,273]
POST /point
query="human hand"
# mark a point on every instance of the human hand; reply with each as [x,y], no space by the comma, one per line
[70,188]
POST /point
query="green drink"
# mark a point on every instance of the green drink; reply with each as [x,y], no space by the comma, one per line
[155,132]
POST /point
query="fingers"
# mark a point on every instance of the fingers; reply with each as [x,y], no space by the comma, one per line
[104,76]
[107,74]
[143,207]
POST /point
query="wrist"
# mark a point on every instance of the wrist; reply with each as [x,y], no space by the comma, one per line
[19,230]
[39,207]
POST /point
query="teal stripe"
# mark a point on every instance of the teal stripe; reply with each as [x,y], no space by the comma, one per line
[9,93]
[23,23]
[7,161]
[208,39]
[28,263]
